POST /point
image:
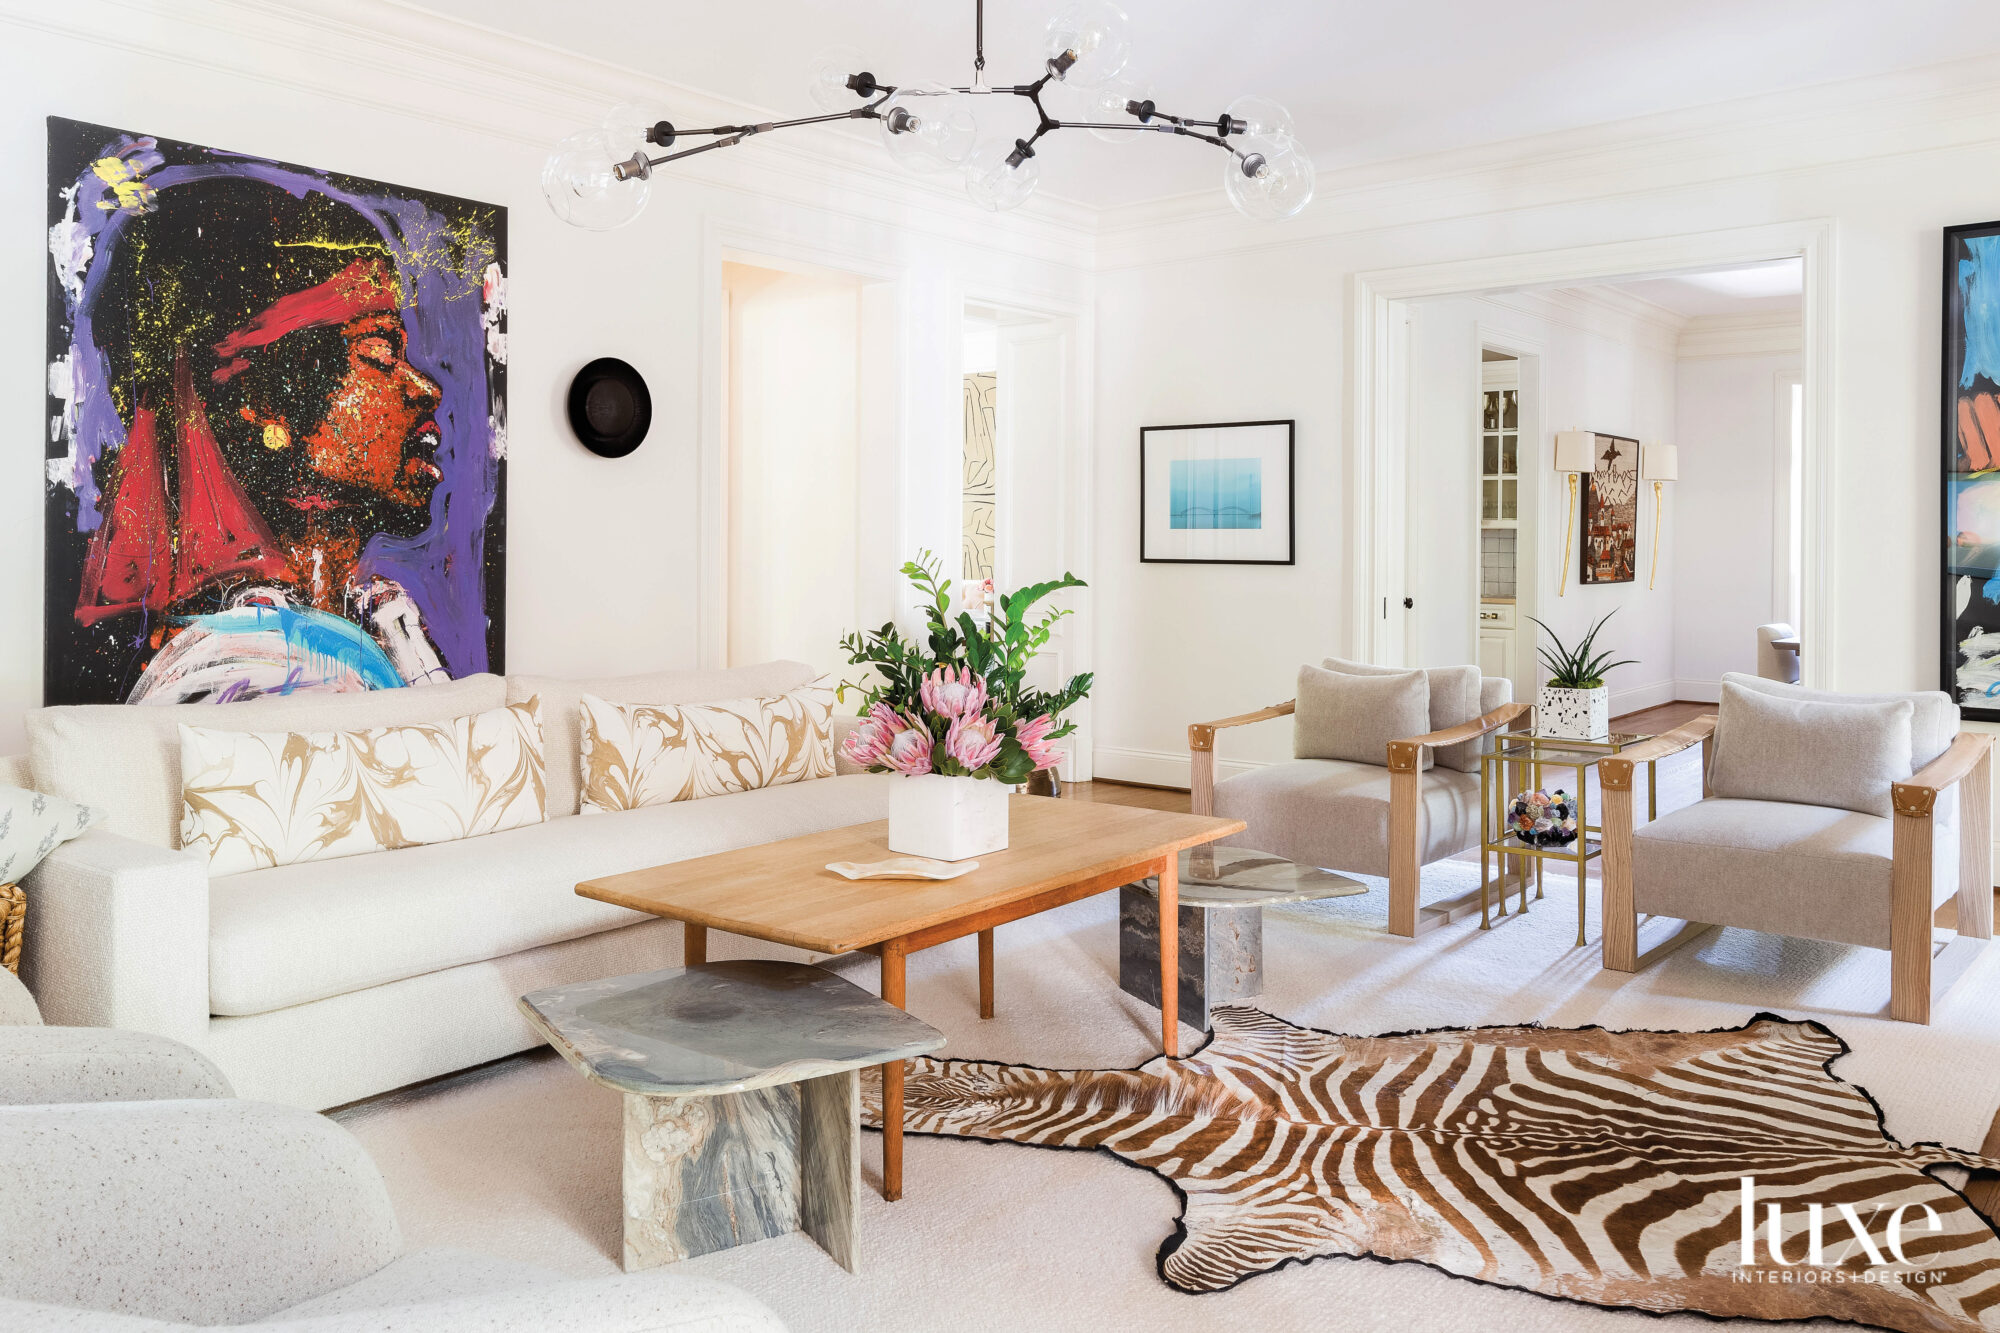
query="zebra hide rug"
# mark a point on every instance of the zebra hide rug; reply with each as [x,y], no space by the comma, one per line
[1582,1164]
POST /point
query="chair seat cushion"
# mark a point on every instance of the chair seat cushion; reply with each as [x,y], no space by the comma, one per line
[1805,870]
[291,934]
[1335,814]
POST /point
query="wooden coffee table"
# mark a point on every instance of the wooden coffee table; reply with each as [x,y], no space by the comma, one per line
[1058,851]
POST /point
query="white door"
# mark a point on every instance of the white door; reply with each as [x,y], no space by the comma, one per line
[1035,496]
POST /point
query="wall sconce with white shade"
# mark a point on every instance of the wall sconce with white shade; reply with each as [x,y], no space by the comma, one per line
[1659,464]
[1576,454]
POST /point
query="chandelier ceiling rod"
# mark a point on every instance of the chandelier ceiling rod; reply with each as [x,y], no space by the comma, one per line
[933,127]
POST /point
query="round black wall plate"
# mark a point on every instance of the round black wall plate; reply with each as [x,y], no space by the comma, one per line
[609,407]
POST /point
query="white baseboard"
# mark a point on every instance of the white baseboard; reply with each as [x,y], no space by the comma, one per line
[1698,691]
[1642,696]
[1157,768]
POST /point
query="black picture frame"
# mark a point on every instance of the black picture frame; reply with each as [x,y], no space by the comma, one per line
[1968,414]
[1291,493]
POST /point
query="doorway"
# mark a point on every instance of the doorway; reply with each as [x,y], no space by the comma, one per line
[1580,290]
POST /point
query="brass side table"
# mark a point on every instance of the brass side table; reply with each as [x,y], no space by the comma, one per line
[1511,762]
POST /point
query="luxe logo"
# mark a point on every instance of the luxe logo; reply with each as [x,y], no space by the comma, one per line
[1888,1253]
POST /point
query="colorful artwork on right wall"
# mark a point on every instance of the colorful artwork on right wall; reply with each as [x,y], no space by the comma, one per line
[1971,429]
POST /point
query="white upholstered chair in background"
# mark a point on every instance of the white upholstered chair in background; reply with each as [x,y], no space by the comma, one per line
[1778,653]
[1389,818]
[1812,866]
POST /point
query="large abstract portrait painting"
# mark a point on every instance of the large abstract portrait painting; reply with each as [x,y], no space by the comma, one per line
[1971,419]
[1611,513]
[277,427]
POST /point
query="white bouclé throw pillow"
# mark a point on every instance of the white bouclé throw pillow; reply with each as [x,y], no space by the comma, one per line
[1843,755]
[1454,702]
[256,799]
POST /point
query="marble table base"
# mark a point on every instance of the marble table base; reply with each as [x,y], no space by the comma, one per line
[1222,953]
[706,1173]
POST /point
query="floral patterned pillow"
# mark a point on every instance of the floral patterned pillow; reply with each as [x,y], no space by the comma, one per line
[257,799]
[650,754]
[33,824]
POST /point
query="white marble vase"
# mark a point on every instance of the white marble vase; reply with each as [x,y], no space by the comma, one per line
[947,819]
[1576,715]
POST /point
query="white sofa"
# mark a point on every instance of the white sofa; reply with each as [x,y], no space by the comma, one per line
[141,1197]
[322,983]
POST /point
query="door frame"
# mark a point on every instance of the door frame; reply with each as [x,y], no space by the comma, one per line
[1378,489]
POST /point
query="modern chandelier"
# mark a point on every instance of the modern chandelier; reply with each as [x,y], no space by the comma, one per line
[601,178]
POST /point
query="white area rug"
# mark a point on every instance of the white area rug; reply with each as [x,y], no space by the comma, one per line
[520,1159]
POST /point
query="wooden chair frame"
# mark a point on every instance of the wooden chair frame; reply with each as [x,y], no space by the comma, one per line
[1919,976]
[1404,761]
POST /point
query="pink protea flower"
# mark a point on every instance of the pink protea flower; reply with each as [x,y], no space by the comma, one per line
[972,742]
[868,744]
[953,692]
[1033,738]
[909,750]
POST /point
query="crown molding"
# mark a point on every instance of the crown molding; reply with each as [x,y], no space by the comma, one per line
[517,91]
[1765,333]
[1931,109]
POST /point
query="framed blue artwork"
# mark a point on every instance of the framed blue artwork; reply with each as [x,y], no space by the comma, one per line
[1217,494]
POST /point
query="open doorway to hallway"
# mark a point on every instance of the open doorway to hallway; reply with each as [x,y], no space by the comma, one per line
[1687,526]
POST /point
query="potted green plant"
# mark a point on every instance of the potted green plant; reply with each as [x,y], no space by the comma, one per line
[954,716]
[1575,704]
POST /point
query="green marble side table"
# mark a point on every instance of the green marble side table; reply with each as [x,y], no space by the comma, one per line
[742,1100]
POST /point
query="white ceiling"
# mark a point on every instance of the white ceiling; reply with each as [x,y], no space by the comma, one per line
[1753,289]
[1365,81]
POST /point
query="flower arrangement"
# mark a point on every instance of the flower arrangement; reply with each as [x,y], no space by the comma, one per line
[1543,818]
[957,703]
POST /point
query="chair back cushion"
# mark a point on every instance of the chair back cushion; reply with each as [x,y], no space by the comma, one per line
[1457,697]
[561,696]
[1354,717]
[125,759]
[1933,721]
[1842,755]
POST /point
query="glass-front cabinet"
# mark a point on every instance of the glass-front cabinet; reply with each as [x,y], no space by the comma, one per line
[1500,445]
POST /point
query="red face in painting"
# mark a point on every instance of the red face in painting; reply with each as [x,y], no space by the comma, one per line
[379,433]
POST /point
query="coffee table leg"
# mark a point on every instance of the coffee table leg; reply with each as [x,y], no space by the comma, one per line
[986,973]
[694,944]
[1170,954]
[892,1081]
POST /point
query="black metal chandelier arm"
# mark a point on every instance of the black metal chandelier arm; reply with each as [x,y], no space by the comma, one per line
[640,165]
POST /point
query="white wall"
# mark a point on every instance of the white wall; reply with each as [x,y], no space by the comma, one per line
[611,563]
[1721,511]
[1887,163]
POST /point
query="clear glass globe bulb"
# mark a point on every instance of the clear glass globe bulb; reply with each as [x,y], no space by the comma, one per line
[1280,181]
[627,125]
[1097,34]
[1262,118]
[826,78]
[927,127]
[996,184]
[579,183]
[1107,107]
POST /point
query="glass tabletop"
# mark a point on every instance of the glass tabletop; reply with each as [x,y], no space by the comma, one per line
[1532,747]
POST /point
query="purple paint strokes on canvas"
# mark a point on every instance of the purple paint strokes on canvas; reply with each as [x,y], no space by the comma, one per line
[443,569]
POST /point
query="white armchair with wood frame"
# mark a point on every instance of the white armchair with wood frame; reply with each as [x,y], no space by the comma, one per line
[1388,817]
[1867,847]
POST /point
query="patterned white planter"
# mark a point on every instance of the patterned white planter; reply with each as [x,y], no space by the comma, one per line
[1577,715]
[947,819]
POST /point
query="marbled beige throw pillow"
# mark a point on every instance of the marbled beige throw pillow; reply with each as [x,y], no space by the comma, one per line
[257,799]
[650,754]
